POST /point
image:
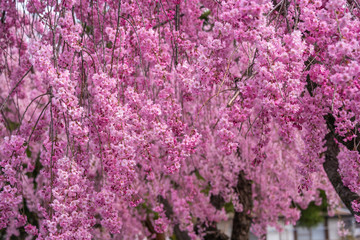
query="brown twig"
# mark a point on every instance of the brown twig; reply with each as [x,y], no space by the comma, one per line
[12,90]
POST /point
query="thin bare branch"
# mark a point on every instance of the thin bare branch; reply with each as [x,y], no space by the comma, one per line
[12,90]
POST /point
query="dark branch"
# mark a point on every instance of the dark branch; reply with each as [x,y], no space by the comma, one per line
[12,90]
[242,220]
[331,163]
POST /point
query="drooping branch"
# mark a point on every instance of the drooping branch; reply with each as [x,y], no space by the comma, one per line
[12,90]
[177,28]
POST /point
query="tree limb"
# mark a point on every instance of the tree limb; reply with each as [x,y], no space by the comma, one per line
[242,220]
[331,164]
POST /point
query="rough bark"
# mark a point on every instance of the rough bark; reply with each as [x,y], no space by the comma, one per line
[242,220]
[331,163]
[217,201]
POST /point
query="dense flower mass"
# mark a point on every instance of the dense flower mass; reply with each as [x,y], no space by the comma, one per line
[126,119]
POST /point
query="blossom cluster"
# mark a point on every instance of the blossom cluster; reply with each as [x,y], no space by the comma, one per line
[126,119]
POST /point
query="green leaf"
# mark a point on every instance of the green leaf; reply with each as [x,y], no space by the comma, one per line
[206,190]
[314,214]
[13,125]
[198,175]
[28,152]
[205,15]
[141,205]
[89,30]
[109,44]
[229,207]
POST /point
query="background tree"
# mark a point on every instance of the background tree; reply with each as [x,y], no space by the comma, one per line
[124,119]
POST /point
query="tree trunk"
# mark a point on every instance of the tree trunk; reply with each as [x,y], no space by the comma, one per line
[242,220]
[331,164]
